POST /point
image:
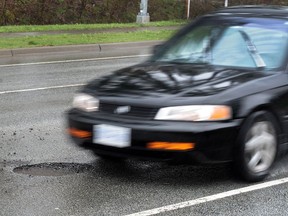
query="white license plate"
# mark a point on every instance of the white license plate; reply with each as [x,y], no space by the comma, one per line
[111,135]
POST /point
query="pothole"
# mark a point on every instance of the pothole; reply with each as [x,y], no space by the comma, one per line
[53,169]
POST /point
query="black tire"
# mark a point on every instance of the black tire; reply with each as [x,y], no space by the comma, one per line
[257,147]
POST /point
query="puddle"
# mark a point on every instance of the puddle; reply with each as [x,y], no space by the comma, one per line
[53,169]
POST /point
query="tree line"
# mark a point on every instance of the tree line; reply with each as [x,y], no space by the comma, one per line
[43,12]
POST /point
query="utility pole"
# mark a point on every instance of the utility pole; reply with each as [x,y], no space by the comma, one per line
[143,15]
[188,8]
[226,3]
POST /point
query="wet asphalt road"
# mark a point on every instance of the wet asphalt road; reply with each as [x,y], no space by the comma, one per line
[65,180]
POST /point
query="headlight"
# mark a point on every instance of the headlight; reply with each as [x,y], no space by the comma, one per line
[195,113]
[85,102]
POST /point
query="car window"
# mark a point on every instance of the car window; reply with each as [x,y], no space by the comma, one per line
[249,44]
[189,48]
[231,50]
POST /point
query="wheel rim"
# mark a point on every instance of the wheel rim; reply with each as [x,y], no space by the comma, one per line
[260,146]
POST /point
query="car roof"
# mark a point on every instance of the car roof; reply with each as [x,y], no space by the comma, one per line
[254,10]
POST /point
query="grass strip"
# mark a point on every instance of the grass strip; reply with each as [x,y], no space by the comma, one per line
[68,27]
[76,39]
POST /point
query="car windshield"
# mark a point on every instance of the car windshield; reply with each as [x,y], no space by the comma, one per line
[241,42]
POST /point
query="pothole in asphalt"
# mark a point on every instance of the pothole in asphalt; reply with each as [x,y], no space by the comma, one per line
[53,169]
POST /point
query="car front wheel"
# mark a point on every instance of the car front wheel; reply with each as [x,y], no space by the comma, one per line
[257,146]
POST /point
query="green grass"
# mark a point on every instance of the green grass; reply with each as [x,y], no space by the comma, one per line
[69,38]
[73,39]
[38,28]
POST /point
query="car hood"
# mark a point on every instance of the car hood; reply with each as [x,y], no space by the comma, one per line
[156,80]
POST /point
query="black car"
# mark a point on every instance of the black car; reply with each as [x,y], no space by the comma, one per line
[217,91]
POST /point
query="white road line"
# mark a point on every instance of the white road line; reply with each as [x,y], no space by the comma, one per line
[210,198]
[38,89]
[76,60]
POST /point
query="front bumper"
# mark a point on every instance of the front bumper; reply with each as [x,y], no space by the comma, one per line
[214,141]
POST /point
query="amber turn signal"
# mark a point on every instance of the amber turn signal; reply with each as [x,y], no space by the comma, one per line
[177,146]
[79,133]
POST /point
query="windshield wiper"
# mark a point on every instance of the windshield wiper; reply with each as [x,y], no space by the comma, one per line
[253,50]
[194,58]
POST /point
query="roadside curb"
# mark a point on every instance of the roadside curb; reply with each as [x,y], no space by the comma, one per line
[95,48]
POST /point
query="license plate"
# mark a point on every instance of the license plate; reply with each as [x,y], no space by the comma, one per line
[111,135]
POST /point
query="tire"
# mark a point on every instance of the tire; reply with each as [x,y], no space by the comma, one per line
[257,147]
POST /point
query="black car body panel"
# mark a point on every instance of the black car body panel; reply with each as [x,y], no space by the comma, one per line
[154,84]
[213,144]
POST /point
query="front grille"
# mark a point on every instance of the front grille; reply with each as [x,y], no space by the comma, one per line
[133,111]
